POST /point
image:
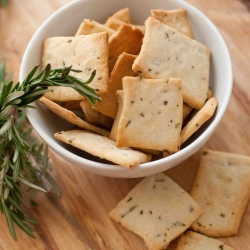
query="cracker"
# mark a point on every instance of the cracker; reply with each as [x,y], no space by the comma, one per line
[176,19]
[63,94]
[89,26]
[222,189]
[194,241]
[126,39]
[186,110]
[86,53]
[209,94]
[95,117]
[167,53]
[204,114]
[157,209]
[115,24]
[114,130]
[123,67]
[71,117]
[122,15]
[102,147]
[149,122]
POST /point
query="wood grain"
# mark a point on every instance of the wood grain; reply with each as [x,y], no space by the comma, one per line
[78,220]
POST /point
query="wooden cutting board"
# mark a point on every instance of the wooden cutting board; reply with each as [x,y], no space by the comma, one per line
[78,220]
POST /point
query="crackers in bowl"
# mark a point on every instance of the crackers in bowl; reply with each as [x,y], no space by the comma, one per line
[152,80]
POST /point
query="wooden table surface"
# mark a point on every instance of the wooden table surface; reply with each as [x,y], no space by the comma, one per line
[79,220]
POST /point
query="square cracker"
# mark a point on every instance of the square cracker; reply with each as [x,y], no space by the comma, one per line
[89,26]
[158,210]
[86,53]
[148,122]
[176,19]
[71,117]
[93,116]
[167,53]
[204,114]
[222,189]
[194,241]
[126,39]
[123,67]
[103,147]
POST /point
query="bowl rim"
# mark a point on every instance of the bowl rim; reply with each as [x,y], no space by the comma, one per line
[198,142]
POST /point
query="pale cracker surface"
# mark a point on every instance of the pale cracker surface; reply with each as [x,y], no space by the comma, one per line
[95,117]
[123,67]
[89,26]
[176,19]
[63,94]
[86,53]
[102,147]
[204,114]
[126,39]
[71,117]
[158,210]
[114,130]
[194,241]
[152,114]
[166,53]
[122,15]
[222,189]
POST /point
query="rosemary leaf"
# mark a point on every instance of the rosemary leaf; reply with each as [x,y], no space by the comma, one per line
[9,220]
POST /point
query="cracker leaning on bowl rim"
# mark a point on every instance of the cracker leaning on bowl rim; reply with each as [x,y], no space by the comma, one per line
[158,210]
[71,117]
[166,53]
[85,53]
[176,19]
[103,147]
[227,176]
[152,114]
[194,241]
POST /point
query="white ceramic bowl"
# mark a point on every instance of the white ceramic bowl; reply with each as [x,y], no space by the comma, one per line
[65,22]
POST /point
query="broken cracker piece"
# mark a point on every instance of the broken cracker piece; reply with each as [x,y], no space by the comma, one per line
[158,210]
[102,147]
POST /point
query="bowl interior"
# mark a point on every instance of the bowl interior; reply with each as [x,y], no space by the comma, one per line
[66,21]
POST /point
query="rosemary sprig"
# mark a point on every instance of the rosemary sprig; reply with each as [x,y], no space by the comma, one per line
[23,164]
[3,3]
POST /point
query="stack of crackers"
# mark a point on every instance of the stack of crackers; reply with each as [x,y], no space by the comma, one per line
[159,210]
[153,81]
